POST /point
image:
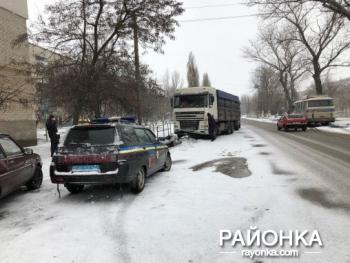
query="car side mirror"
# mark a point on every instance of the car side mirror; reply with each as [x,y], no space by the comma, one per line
[28,151]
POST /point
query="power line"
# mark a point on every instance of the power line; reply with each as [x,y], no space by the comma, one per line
[216,18]
[193,7]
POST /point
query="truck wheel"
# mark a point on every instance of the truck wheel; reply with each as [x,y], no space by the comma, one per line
[236,125]
[37,179]
[74,188]
[139,184]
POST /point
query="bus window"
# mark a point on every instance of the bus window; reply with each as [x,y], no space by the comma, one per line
[320,103]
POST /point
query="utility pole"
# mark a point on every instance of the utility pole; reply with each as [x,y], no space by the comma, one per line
[137,71]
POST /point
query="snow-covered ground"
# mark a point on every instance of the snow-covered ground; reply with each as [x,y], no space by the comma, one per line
[341,125]
[237,182]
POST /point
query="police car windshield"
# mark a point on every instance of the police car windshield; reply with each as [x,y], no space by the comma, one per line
[90,135]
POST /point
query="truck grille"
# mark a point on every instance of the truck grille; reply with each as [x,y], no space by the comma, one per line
[189,125]
[193,115]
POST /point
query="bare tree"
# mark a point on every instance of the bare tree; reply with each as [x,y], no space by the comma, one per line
[176,81]
[266,84]
[324,35]
[206,81]
[341,7]
[246,104]
[95,33]
[192,71]
[283,55]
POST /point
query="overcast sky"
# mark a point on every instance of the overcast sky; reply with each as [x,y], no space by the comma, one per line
[216,43]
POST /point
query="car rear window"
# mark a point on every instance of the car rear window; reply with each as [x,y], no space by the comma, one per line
[294,116]
[93,135]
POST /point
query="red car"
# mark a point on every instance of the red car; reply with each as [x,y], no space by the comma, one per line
[292,121]
[18,166]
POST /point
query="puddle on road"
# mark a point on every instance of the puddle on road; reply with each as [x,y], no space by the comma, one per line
[319,197]
[179,161]
[258,145]
[279,171]
[235,167]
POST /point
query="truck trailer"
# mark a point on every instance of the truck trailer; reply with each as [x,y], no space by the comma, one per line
[191,105]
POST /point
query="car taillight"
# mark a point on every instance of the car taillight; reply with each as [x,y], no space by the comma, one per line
[85,159]
[110,158]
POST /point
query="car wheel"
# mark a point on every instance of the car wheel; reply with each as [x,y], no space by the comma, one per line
[304,128]
[168,163]
[139,184]
[295,129]
[285,128]
[37,179]
[74,188]
[279,128]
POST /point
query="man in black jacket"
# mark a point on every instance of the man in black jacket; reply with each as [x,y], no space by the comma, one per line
[51,127]
[211,126]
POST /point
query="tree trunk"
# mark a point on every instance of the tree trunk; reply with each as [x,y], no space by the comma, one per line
[283,81]
[137,72]
[317,77]
[76,117]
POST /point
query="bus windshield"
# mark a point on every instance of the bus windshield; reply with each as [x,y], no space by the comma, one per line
[191,101]
[320,103]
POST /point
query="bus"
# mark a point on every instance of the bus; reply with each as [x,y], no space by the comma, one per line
[316,109]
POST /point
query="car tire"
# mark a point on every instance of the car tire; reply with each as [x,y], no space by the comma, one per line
[74,188]
[279,128]
[36,180]
[285,128]
[168,163]
[295,129]
[304,128]
[139,184]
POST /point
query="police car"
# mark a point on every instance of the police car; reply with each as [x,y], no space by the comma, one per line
[108,152]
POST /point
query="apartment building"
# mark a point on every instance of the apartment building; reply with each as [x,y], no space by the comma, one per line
[17,115]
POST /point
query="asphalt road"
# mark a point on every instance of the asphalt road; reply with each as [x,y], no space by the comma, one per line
[325,155]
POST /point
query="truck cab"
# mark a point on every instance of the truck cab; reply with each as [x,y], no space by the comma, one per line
[191,105]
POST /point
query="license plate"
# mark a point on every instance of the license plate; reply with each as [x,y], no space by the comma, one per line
[85,168]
